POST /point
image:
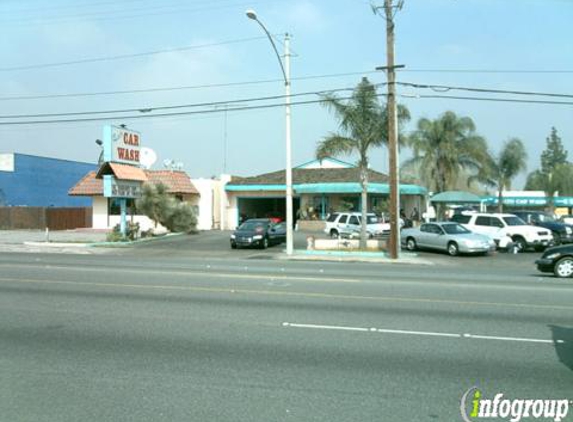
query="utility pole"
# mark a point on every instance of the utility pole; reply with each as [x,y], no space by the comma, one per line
[394,246]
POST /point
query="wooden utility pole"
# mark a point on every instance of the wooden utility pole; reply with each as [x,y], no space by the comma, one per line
[392,134]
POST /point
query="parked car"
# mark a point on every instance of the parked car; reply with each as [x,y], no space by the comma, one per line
[557,260]
[452,238]
[562,233]
[258,232]
[500,227]
[347,224]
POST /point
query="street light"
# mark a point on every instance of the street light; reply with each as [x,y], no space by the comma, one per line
[285,67]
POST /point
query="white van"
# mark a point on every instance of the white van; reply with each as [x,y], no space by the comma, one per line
[347,224]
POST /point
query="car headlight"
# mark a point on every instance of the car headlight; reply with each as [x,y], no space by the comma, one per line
[568,230]
[553,255]
[258,237]
[232,236]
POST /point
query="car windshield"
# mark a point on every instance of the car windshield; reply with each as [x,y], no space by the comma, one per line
[513,221]
[455,229]
[255,226]
[372,219]
[545,218]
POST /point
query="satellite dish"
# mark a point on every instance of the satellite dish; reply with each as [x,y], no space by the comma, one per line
[147,157]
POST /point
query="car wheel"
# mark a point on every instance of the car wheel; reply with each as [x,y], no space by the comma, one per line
[564,267]
[520,244]
[233,246]
[411,244]
[333,234]
[453,249]
[556,238]
[265,243]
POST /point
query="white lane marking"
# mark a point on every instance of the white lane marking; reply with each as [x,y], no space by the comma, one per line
[324,327]
[421,333]
[527,340]
[418,333]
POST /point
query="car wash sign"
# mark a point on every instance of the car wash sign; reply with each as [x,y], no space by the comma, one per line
[121,145]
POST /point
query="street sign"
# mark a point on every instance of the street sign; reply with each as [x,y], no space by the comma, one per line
[121,145]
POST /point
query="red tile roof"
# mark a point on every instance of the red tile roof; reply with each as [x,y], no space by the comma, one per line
[177,182]
[122,172]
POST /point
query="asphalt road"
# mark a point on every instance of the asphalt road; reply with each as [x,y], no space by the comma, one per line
[184,330]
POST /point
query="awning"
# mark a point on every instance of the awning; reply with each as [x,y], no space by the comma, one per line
[122,172]
[457,197]
[329,188]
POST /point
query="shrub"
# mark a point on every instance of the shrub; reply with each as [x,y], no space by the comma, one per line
[131,232]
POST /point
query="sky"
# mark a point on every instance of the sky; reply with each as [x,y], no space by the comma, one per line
[62,57]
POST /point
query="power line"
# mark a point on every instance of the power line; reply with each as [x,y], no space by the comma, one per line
[268,106]
[115,17]
[493,99]
[178,88]
[170,107]
[144,116]
[494,71]
[445,88]
[128,56]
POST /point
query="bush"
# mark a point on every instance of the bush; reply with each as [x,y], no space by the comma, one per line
[162,208]
[180,217]
[131,233]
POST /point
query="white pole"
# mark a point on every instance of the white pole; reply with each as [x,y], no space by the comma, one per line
[289,194]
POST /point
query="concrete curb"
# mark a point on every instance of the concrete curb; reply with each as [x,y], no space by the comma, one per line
[98,244]
[336,256]
[58,244]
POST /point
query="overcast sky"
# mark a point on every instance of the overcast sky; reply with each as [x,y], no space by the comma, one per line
[213,43]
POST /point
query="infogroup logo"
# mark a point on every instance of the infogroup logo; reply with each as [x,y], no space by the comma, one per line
[475,407]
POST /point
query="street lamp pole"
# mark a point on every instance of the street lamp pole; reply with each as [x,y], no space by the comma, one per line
[285,67]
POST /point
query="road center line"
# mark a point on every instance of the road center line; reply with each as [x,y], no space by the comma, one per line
[420,333]
[283,293]
[192,273]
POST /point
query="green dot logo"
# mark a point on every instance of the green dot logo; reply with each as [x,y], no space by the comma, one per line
[475,394]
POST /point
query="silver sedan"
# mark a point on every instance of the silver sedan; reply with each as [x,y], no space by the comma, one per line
[452,238]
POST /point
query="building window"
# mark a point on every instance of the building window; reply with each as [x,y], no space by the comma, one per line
[113,207]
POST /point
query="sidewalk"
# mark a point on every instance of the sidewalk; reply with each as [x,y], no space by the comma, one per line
[79,236]
[344,256]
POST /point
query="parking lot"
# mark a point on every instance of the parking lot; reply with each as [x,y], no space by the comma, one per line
[215,245]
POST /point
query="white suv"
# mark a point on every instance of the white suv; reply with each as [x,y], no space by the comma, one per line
[347,224]
[501,226]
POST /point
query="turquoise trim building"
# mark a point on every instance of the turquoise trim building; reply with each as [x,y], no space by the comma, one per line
[319,187]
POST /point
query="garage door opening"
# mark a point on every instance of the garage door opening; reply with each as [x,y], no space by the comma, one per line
[265,208]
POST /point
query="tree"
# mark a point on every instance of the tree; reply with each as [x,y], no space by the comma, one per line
[363,126]
[554,154]
[499,171]
[556,174]
[162,208]
[560,179]
[154,201]
[444,149]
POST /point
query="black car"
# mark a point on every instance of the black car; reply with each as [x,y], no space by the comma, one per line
[562,233]
[258,232]
[557,260]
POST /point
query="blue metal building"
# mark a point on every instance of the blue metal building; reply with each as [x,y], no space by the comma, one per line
[28,180]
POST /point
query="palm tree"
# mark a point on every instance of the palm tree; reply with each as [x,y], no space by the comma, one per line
[501,170]
[363,126]
[444,149]
[558,180]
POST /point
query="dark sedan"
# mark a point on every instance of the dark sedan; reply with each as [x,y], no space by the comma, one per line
[258,233]
[557,260]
